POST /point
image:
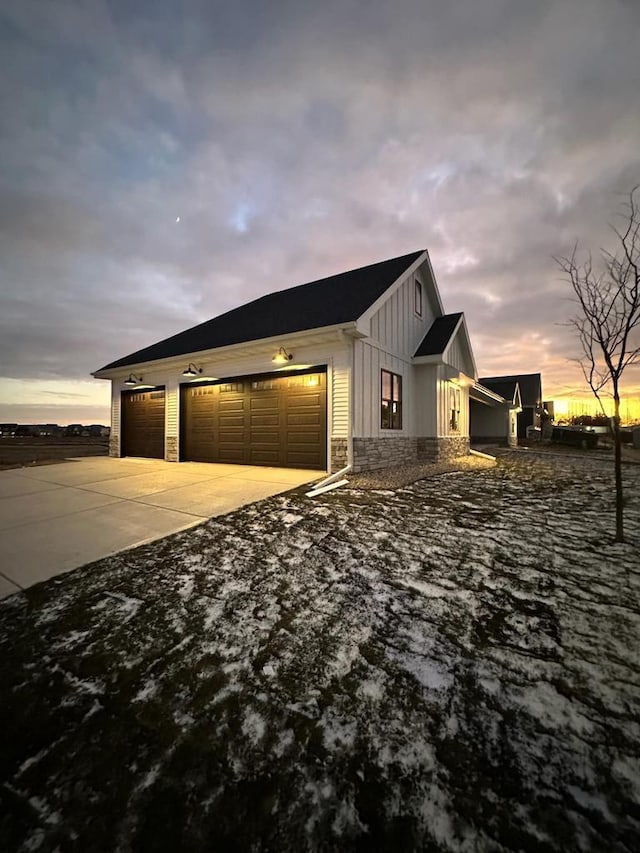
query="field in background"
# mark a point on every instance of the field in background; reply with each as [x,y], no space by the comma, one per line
[16,452]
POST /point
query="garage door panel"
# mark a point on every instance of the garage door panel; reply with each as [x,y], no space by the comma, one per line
[226,405]
[231,421]
[296,459]
[143,417]
[271,420]
[265,457]
[304,401]
[274,420]
[259,403]
[304,419]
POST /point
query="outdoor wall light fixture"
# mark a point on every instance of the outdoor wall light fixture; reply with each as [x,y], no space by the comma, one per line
[282,356]
[133,380]
[192,370]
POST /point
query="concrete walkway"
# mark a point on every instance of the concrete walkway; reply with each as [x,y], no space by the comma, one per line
[54,518]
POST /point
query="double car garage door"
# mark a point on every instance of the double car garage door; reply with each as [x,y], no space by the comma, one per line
[254,420]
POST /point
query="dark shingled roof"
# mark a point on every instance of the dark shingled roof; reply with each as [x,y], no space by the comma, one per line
[327,302]
[505,387]
[530,386]
[439,334]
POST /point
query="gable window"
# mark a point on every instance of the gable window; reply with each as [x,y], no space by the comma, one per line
[417,298]
[391,400]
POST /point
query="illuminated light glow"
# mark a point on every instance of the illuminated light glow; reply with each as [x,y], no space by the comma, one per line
[294,367]
[177,219]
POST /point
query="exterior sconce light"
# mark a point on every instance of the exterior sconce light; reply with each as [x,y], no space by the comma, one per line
[282,356]
[133,380]
[192,370]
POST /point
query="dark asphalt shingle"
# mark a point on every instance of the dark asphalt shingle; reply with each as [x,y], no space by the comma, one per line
[437,338]
[504,387]
[337,299]
[530,386]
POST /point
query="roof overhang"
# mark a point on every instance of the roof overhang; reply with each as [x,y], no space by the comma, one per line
[484,395]
[308,337]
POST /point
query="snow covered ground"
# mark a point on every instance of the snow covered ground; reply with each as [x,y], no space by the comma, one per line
[453,666]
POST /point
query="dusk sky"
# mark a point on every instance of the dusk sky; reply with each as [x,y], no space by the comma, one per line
[162,162]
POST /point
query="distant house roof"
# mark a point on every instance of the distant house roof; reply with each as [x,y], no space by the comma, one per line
[505,387]
[329,301]
[440,333]
[530,386]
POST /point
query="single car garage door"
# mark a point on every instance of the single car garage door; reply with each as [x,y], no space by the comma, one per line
[257,420]
[143,423]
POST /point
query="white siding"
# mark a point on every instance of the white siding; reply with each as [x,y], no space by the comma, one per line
[116,389]
[172,398]
[426,384]
[336,356]
[339,403]
[455,356]
[395,327]
[490,421]
[445,390]
[369,360]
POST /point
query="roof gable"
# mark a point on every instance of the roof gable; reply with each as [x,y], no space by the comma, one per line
[439,344]
[330,301]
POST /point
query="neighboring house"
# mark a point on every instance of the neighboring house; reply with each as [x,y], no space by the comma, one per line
[493,411]
[530,385]
[361,368]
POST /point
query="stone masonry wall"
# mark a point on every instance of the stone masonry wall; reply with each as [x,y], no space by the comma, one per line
[371,454]
[114,446]
[339,454]
[171,448]
[443,448]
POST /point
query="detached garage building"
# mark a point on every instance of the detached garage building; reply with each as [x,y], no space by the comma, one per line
[361,368]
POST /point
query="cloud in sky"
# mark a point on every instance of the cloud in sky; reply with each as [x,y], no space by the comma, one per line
[160,167]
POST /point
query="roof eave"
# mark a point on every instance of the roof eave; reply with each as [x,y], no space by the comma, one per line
[482,394]
[436,358]
[172,361]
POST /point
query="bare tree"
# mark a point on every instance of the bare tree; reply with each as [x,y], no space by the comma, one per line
[608,322]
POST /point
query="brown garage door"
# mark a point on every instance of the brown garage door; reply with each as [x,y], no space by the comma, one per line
[257,420]
[143,423]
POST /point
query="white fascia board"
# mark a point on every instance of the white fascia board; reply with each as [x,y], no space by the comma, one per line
[434,290]
[371,310]
[323,334]
[427,359]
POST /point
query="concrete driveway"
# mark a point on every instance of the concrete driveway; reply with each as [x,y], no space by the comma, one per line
[54,518]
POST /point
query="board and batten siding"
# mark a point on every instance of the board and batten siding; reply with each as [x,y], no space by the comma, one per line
[395,333]
[457,356]
[369,361]
[395,327]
